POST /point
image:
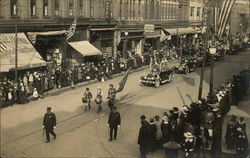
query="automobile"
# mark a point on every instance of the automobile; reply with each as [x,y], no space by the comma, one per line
[186,66]
[158,75]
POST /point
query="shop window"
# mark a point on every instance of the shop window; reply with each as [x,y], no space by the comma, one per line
[45,7]
[57,7]
[32,7]
[71,7]
[192,11]
[91,8]
[13,4]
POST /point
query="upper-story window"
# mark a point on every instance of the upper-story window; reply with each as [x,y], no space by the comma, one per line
[57,5]
[198,12]
[192,11]
[45,8]
[13,4]
[91,8]
[32,7]
[80,12]
[139,8]
[71,7]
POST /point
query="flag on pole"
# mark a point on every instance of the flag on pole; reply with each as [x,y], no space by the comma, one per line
[72,30]
[123,81]
[3,47]
[225,12]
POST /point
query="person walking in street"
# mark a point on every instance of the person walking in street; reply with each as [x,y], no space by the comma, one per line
[87,98]
[49,124]
[98,99]
[111,96]
[143,139]
[114,121]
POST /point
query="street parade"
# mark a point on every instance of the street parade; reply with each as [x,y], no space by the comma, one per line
[139,78]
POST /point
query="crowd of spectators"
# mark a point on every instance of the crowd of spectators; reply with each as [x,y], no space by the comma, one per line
[32,84]
[198,127]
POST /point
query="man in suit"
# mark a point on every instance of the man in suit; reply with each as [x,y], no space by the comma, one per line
[114,122]
[143,139]
[49,124]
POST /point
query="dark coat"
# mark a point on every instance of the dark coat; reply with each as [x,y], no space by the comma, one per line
[49,120]
[143,136]
[114,119]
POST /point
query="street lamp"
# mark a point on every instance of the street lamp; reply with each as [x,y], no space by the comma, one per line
[212,51]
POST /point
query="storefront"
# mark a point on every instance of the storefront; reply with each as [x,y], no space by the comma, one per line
[103,39]
[131,43]
[80,50]
[152,39]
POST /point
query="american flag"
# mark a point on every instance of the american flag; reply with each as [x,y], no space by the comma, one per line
[224,14]
[72,30]
[3,47]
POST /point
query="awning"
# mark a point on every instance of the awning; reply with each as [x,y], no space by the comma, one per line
[27,55]
[155,34]
[52,33]
[102,29]
[181,31]
[85,48]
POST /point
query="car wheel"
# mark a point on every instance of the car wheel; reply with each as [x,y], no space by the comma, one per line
[157,83]
[187,71]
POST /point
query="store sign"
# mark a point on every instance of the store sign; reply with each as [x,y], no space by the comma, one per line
[149,28]
[27,54]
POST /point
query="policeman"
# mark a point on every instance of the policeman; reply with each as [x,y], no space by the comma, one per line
[111,96]
[114,122]
[49,124]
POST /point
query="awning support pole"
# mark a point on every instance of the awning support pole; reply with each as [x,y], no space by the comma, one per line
[16,41]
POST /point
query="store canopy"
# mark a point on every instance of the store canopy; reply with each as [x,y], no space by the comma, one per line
[85,48]
[52,33]
[181,31]
[27,55]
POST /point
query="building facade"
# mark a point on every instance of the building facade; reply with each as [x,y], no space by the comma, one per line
[196,12]
[113,26]
[240,17]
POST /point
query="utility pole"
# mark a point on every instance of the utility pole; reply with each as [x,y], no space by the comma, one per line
[16,43]
[204,50]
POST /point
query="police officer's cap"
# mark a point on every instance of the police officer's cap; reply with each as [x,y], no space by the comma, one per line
[87,88]
[48,108]
[111,85]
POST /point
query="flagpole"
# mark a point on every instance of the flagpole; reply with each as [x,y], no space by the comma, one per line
[204,53]
[16,43]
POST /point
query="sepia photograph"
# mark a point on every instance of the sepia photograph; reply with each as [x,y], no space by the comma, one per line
[124,78]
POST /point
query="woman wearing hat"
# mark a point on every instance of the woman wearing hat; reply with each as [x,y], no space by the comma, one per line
[87,98]
[189,144]
[98,99]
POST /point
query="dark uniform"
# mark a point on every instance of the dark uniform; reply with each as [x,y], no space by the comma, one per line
[230,133]
[143,139]
[114,121]
[241,139]
[111,96]
[49,122]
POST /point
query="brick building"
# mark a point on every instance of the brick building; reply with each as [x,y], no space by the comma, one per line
[113,26]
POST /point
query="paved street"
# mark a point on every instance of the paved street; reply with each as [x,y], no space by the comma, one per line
[86,133]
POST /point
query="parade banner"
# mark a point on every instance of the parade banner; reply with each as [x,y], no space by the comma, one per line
[26,53]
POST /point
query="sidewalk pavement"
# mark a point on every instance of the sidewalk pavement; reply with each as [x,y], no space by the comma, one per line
[57,91]
[242,110]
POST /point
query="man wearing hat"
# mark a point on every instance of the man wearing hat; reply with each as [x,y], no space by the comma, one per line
[49,124]
[111,96]
[189,144]
[114,121]
[230,133]
[87,96]
[143,137]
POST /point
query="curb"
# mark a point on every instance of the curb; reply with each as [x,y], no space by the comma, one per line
[64,89]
